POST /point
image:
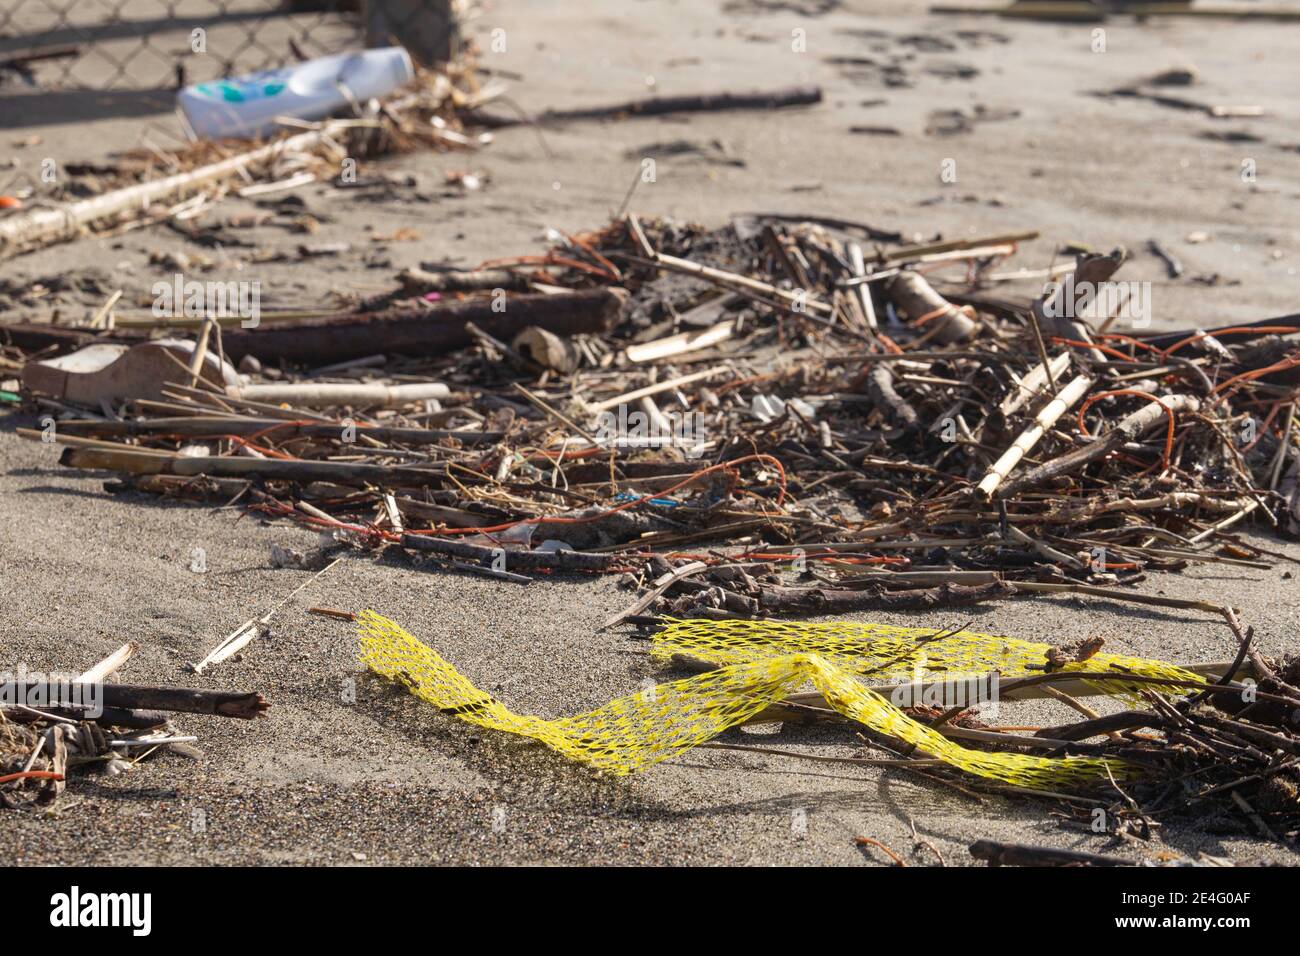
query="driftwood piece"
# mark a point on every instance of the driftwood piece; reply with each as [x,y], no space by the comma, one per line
[477,280]
[1060,315]
[880,387]
[546,349]
[1126,431]
[110,372]
[563,560]
[997,853]
[347,473]
[657,388]
[212,427]
[1111,723]
[101,671]
[916,298]
[777,599]
[663,105]
[681,343]
[184,700]
[433,330]
[858,265]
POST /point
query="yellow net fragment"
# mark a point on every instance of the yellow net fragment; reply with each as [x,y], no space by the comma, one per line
[633,732]
[888,653]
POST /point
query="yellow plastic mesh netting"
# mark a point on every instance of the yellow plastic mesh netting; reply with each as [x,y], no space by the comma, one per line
[641,729]
[889,653]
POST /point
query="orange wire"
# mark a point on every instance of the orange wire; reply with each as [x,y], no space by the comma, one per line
[583,244]
[867,841]
[1235,330]
[945,309]
[890,345]
[1169,414]
[1263,429]
[31,774]
[1137,343]
[247,440]
[1282,366]
[1092,345]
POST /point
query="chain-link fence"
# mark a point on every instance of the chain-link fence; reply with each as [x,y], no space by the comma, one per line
[159,44]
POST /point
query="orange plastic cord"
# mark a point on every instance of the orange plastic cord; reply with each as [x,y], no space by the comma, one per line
[31,775]
[1282,366]
[1235,330]
[1137,393]
[1136,343]
[1075,343]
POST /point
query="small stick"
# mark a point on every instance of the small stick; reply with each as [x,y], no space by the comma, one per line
[201,351]
[243,635]
[733,280]
[1283,450]
[996,853]
[545,407]
[655,389]
[1225,523]
[1127,430]
[1033,382]
[1047,551]
[681,343]
[1042,351]
[394,515]
[859,266]
[99,673]
[658,587]
[333,612]
[525,560]
[1172,265]
[176,699]
[105,310]
[1030,437]
[867,841]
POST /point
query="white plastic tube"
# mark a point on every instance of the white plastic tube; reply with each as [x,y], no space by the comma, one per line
[340,394]
[247,106]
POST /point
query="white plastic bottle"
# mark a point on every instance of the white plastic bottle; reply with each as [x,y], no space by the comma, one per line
[247,106]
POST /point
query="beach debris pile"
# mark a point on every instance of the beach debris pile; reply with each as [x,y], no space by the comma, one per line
[783,416]
[771,417]
[52,725]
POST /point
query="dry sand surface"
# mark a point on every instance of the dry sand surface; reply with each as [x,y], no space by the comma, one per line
[383,779]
